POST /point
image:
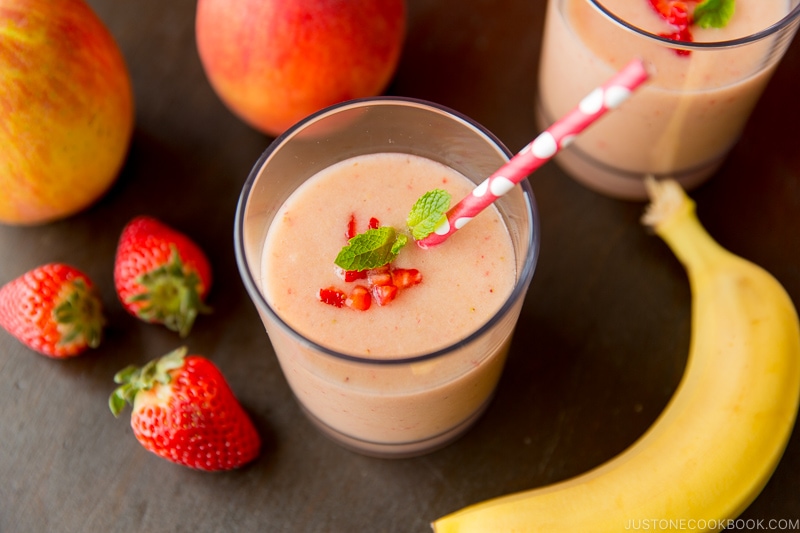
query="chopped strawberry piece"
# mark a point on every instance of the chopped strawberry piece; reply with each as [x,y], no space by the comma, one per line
[675,12]
[353,275]
[383,283]
[351,228]
[332,296]
[383,294]
[379,276]
[661,7]
[359,298]
[350,275]
[406,277]
[683,35]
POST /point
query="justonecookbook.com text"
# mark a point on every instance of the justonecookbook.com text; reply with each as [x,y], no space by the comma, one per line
[693,524]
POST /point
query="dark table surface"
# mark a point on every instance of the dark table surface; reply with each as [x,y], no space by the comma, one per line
[603,342]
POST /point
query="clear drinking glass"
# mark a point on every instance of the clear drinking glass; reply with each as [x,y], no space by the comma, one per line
[683,122]
[356,400]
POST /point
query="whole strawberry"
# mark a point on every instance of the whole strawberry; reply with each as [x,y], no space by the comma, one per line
[185,412]
[53,309]
[161,275]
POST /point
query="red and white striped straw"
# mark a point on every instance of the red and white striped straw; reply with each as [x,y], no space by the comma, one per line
[604,98]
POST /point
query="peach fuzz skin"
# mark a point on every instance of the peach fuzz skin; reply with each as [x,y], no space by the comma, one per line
[66,109]
[273,62]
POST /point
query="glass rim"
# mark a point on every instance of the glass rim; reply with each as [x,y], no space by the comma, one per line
[521,283]
[778,26]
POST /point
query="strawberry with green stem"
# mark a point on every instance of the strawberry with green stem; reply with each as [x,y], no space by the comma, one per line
[161,275]
[184,411]
[54,310]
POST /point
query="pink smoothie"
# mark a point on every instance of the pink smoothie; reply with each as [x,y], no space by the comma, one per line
[682,123]
[465,282]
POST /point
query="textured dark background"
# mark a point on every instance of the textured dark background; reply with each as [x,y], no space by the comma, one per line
[603,342]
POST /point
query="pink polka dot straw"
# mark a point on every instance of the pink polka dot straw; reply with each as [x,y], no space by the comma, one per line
[604,98]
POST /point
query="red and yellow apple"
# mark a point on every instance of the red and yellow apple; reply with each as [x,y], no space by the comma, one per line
[273,62]
[66,109]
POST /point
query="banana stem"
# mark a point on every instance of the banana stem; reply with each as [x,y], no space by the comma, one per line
[672,215]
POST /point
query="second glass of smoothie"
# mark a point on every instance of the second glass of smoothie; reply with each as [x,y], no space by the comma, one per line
[410,376]
[685,120]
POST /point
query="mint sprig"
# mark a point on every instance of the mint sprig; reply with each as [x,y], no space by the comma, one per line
[428,212]
[377,247]
[372,249]
[713,13]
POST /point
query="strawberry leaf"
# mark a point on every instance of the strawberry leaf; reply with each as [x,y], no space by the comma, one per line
[80,315]
[399,242]
[171,295]
[119,398]
[428,212]
[714,13]
[133,379]
[371,249]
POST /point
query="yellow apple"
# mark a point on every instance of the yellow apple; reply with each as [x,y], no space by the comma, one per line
[66,109]
[273,62]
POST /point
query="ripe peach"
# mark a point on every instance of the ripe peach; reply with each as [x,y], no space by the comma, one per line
[273,62]
[66,109]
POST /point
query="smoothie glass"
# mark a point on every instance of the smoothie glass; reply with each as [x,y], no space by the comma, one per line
[681,124]
[402,406]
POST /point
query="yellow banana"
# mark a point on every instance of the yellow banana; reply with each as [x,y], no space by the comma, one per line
[719,439]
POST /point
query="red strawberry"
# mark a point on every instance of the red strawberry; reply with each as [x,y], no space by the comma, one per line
[406,277]
[53,309]
[161,275]
[384,282]
[359,298]
[185,412]
[350,275]
[380,276]
[332,296]
[353,275]
[351,230]
[676,13]
[383,294]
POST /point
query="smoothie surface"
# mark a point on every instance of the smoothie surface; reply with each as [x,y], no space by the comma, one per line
[750,16]
[696,71]
[466,280]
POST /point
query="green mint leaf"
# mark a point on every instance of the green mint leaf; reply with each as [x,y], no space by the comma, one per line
[399,242]
[713,13]
[428,212]
[371,249]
